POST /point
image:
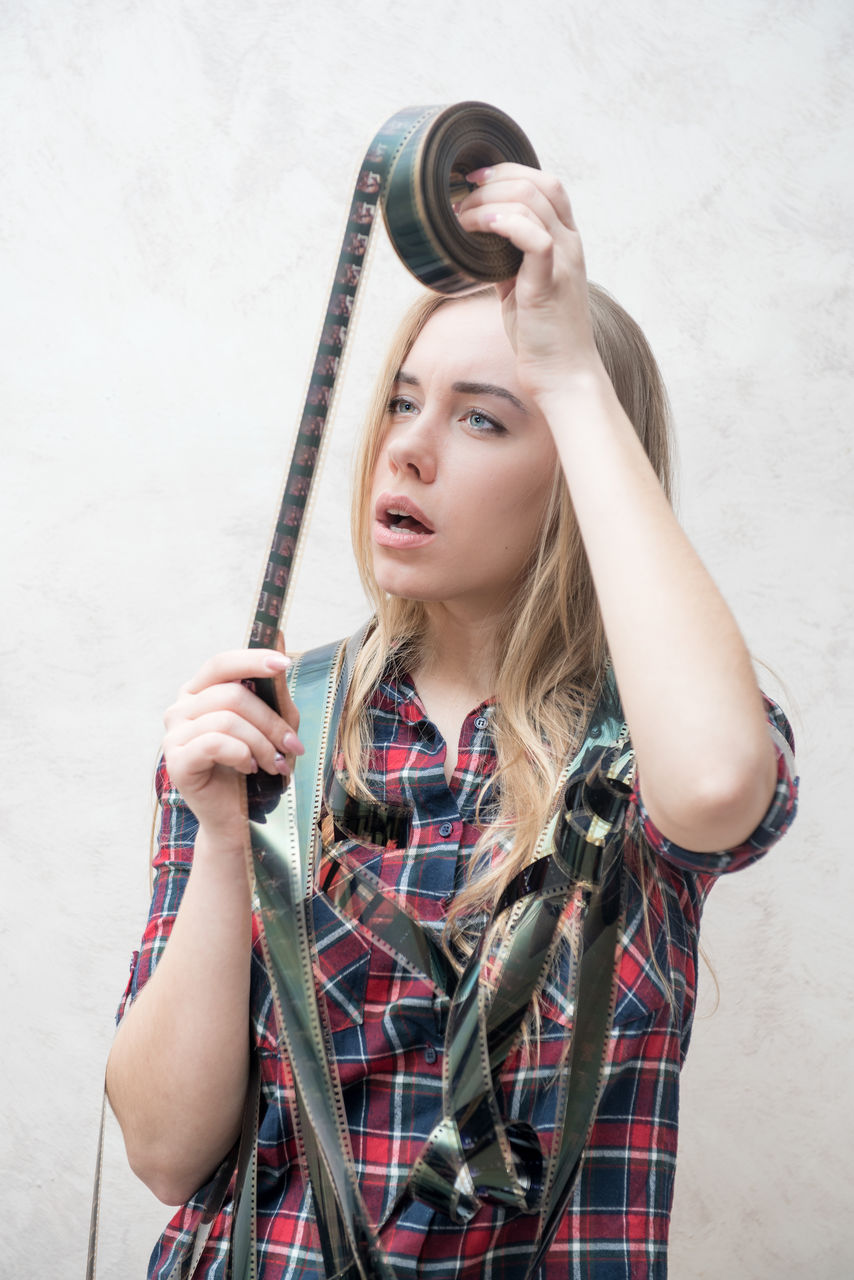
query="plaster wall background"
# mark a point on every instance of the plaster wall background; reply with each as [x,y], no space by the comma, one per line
[174,178]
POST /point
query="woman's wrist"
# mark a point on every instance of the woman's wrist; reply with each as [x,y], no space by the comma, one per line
[223,851]
[578,394]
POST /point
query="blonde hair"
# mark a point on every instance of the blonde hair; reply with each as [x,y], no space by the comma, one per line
[551,646]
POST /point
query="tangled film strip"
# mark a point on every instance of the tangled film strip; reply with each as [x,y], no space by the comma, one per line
[415,170]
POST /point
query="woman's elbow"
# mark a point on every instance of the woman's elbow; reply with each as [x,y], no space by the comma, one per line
[172,1180]
[721,807]
[164,1182]
[171,1164]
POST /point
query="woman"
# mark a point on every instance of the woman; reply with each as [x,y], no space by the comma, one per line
[514,530]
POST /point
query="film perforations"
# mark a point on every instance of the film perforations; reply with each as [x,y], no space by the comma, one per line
[397,171]
[414,163]
[322,383]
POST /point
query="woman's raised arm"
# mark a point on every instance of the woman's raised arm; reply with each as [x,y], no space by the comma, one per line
[706,763]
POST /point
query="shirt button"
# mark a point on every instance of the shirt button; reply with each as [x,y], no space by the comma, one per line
[430,1054]
[446,828]
[481,722]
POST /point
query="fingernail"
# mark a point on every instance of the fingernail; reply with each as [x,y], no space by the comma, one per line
[281,764]
[292,744]
[277,662]
[479,175]
[492,219]
[456,207]
[254,764]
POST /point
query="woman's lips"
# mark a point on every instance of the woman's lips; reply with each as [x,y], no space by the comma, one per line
[400,523]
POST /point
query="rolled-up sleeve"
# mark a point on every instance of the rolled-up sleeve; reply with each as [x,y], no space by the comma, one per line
[177,828]
[774,825]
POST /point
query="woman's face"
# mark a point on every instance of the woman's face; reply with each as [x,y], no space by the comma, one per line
[465,469]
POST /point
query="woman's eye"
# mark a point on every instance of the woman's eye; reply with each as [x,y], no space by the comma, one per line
[481,422]
[401,404]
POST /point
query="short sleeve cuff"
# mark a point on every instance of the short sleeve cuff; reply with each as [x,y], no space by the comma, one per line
[172,862]
[774,825]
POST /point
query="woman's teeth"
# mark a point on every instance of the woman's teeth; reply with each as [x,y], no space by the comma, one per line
[400,520]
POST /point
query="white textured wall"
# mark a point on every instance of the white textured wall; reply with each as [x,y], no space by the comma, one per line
[174,177]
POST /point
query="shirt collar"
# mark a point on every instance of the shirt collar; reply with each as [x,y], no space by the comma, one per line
[398,689]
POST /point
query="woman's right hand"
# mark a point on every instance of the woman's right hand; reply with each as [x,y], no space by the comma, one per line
[218,729]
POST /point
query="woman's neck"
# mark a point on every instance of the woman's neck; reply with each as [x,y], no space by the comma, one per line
[455,673]
[459,654]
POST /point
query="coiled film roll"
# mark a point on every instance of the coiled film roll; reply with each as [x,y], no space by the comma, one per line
[415,168]
[427,178]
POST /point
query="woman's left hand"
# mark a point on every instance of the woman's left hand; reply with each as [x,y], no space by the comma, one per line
[546,308]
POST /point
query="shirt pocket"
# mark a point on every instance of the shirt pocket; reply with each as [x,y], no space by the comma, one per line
[641,993]
[340,974]
[640,1000]
[343,959]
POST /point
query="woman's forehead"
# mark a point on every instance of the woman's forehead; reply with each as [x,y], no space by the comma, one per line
[466,340]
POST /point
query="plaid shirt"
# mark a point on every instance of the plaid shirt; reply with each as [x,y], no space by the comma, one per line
[388,1029]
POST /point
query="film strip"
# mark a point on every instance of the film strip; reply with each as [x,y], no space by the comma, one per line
[415,169]
[475,1154]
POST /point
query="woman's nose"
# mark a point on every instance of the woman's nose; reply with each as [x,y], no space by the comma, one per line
[412,449]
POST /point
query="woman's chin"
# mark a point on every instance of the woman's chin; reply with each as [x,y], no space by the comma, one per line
[402,590]
[401,581]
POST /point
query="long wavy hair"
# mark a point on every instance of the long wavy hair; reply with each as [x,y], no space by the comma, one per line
[551,642]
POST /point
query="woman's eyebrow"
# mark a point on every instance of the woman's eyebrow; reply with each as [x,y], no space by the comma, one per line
[488,389]
[467,388]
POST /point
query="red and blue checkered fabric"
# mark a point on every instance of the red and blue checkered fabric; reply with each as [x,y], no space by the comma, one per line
[388,1030]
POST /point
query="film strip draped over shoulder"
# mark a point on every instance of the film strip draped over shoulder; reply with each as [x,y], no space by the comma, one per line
[415,170]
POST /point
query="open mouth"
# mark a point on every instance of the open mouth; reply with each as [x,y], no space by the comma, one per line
[404,522]
[399,516]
